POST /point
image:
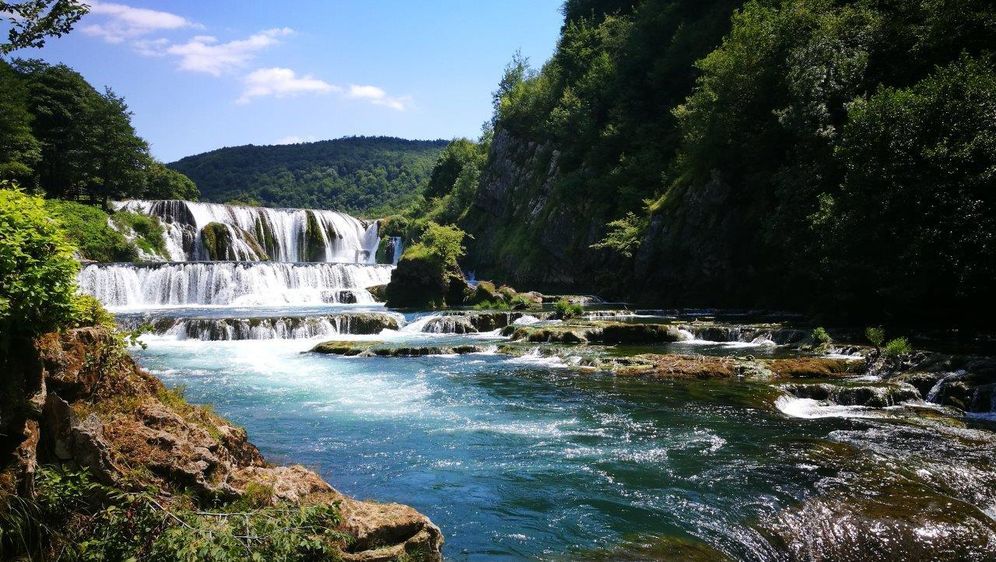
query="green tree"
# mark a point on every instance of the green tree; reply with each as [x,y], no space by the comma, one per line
[119,157]
[31,21]
[165,183]
[917,212]
[19,150]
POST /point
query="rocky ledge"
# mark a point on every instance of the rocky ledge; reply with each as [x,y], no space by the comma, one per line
[78,400]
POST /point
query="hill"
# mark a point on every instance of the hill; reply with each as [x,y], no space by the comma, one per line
[362,175]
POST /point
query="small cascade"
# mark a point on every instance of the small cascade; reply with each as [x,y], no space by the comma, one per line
[934,394]
[745,334]
[419,324]
[280,327]
[209,231]
[231,283]
[397,248]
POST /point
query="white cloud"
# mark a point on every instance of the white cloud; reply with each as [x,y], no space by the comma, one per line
[377,96]
[294,139]
[119,22]
[282,82]
[204,53]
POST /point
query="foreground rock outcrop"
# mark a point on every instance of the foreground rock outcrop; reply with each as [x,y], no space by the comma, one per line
[77,399]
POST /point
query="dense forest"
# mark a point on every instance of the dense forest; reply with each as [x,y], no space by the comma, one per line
[61,136]
[363,175]
[821,155]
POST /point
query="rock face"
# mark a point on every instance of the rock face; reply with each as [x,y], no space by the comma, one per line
[84,402]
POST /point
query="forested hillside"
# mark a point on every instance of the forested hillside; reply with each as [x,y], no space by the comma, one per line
[364,175]
[835,156]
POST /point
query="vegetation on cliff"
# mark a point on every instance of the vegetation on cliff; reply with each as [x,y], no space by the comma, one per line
[365,175]
[817,154]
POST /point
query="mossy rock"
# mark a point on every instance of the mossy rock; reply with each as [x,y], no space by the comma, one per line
[219,242]
[635,333]
[424,282]
[379,292]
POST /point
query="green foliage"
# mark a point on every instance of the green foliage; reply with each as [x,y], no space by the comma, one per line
[624,235]
[60,134]
[19,149]
[147,231]
[566,309]
[167,183]
[438,243]
[87,227]
[935,171]
[87,311]
[32,21]
[37,270]
[496,304]
[896,348]
[73,517]
[798,153]
[367,175]
[875,335]
[821,337]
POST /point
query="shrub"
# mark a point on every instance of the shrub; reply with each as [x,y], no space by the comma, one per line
[148,231]
[441,244]
[87,311]
[88,229]
[875,335]
[37,269]
[821,337]
[897,348]
[566,309]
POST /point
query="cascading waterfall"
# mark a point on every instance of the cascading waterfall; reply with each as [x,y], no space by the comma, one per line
[210,231]
[397,248]
[278,327]
[231,283]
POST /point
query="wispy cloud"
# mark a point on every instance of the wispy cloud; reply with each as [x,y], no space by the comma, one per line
[281,82]
[118,22]
[378,96]
[205,54]
[294,139]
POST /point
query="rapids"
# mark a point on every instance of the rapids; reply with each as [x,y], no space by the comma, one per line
[521,457]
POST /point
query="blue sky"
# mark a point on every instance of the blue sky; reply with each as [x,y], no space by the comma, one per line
[204,74]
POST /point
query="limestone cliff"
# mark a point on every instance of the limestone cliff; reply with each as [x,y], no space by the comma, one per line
[77,399]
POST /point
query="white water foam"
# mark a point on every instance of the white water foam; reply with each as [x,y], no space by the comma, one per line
[230,283]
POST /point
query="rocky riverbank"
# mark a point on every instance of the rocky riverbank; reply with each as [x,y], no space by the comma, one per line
[78,400]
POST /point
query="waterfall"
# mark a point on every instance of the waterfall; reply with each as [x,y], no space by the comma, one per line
[398,248]
[231,283]
[256,233]
[268,328]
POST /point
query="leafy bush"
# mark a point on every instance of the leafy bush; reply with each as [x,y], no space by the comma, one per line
[148,230]
[87,228]
[566,309]
[441,244]
[821,337]
[37,269]
[624,235]
[875,335]
[87,311]
[897,347]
